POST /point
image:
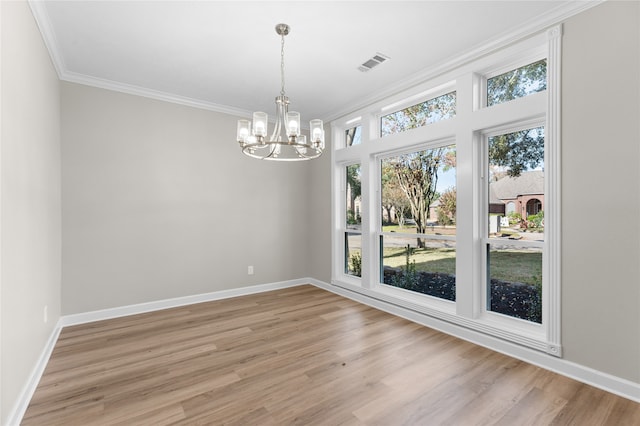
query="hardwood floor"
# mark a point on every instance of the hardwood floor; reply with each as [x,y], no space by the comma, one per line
[298,356]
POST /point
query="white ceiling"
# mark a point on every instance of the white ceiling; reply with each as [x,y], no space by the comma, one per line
[225,55]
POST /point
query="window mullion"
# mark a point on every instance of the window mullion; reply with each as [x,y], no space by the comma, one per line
[552,271]
[368,221]
[466,234]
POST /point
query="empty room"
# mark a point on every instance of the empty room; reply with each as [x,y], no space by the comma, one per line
[320,212]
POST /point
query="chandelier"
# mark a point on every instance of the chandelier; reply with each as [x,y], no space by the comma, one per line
[293,146]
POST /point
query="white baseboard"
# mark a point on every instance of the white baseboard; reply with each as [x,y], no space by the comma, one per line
[20,407]
[141,308]
[616,385]
[607,382]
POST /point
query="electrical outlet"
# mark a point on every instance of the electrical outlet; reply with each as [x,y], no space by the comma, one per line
[250,270]
[46,313]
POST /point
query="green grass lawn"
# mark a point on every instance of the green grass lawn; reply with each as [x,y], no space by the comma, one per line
[426,259]
[511,265]
[516,266]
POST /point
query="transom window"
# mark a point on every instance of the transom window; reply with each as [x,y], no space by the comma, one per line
[517,83]
[353,136]
[427,112]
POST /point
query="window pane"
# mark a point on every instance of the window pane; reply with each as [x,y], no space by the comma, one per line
[516,185]
[436,109]
[353,136]
[419,192]
[517,83]
[515,282]
[422,265]
[353,194]
[353,254]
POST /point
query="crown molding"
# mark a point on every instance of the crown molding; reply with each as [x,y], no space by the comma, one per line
[43,22]
[150,93]
[48,35]
[539,23]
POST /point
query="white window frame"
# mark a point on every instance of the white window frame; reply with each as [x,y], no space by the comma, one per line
[431,302]
[343,228]
[468,129]
[486,315]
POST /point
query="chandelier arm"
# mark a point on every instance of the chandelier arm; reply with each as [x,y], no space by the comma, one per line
[266,157]
[277,130]
[272,152]
[282,107]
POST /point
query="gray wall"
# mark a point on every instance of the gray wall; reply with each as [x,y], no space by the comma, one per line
[601,189]
[159,202]
[29,198]
[319,260]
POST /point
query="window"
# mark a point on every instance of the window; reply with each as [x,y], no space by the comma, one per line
[466,222]
[430,111]
[517,83]
[353,221]
[418,232]
[514,252]
[353,136]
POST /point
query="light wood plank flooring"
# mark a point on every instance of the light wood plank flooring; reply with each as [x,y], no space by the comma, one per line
[298,356]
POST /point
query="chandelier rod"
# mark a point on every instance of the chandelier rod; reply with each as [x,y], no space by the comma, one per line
[282,34]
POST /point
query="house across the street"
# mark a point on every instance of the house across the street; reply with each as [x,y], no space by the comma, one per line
[523,194]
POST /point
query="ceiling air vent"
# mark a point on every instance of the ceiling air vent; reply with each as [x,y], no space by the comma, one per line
[376,60]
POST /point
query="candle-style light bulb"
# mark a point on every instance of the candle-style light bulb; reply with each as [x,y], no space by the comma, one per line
[244,129]
[293,123]
[260,124]
[317,132]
